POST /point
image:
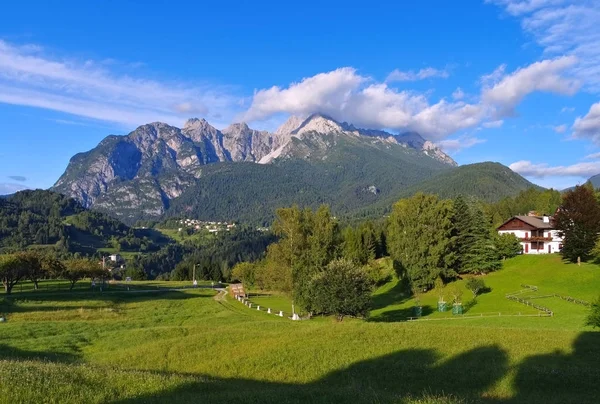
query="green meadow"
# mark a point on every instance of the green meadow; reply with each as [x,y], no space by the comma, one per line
[149,344]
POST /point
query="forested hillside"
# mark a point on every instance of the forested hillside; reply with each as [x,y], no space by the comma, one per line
[45,219]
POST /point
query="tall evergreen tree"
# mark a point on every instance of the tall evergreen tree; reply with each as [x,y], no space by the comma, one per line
[474,243]
[578,220]
[481,255]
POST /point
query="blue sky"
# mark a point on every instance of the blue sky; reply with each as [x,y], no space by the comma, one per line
[514,81]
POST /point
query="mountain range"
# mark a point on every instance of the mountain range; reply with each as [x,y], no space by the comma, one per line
[239,173]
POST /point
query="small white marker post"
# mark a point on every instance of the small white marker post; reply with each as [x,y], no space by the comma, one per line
[250,305]
[258,308]
[269,310]
[280,313]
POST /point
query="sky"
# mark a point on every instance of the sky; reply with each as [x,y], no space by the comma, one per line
[513,81]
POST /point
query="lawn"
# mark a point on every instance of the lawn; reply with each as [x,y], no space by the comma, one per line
[188,346]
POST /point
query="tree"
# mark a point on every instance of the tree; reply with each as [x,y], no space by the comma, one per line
[343,289]
[474,242]
[578,222]
[79,268]
[507,245]
[475,285]
[593,318]
[245,272]
[308,242]
[13,268]
[420,239]
[40,266]
[136,273]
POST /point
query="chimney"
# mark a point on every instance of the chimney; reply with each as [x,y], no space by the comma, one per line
[546,218]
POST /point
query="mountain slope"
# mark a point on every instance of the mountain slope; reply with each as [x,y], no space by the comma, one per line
[486,181]
[142,174]
[51,220]
[346,173]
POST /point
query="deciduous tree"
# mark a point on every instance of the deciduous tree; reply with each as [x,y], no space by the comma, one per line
[343,289]
[420,238]
[578,221]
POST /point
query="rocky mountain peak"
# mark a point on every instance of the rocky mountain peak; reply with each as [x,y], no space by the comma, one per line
[318,123]
[237,129]
[292,123]
[197,129]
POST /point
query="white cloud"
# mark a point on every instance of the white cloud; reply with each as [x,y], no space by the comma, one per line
[456,145]
[560,128]
[567,109]
[588,126]
[88,89]
[493,124]
[546,76]
[348,96]
[411,75]
[563,27]
[593,156]
[527,168]
[458,94]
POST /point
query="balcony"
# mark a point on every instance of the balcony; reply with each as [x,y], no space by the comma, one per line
[538,239]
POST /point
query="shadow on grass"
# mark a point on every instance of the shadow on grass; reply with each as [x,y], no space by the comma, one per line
[22,303]
[12,353]
[560,377]
[417,376]
[398,294]
[397,377]
[399,315]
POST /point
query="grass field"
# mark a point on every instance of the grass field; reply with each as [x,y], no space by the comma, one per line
[195,346]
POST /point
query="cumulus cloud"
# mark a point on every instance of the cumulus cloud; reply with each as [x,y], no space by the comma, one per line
[563,27]
[456,145]
[527,168]
[348,96]
[19,178]
[86,88]
[593,156]
[566,109]
[546,76]
[411,75]
[588,126]
[560,128]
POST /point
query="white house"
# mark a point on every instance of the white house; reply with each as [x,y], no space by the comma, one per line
[536,233]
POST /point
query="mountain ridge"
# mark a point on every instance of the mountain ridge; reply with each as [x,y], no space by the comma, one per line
[154,164]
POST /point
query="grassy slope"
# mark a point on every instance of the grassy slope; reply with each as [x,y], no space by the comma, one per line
[188,347]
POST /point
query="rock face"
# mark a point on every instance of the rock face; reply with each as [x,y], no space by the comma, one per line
[144,170]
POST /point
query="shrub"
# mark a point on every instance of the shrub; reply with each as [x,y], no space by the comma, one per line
[475,285]
[594,316]
[342,289]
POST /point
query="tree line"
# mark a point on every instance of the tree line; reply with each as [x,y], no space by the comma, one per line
[33,266]
[428,239]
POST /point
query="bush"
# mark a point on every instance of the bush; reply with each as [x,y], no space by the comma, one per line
[508,245]
[594,316]
[475,285]
[342,289]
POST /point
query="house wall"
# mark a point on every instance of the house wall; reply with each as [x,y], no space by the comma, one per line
[530,247]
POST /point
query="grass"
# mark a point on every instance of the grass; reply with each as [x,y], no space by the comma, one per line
[199,237]
[187,346]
